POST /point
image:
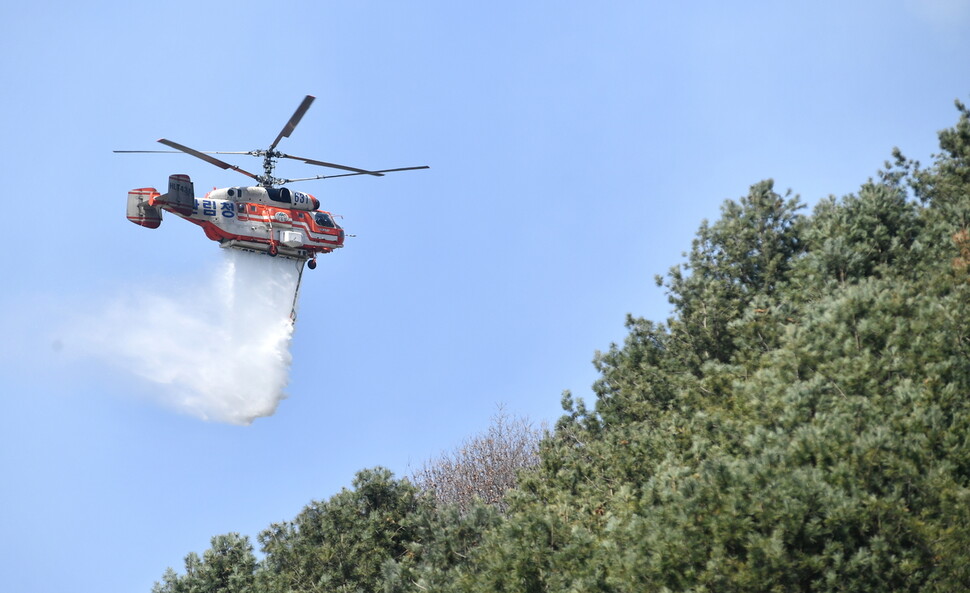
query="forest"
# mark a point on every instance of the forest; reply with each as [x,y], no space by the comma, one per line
[800,422]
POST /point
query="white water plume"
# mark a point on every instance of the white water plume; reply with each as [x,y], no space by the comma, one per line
[216,349]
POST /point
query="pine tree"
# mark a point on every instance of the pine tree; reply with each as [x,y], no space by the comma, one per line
[226,567]
[342,544]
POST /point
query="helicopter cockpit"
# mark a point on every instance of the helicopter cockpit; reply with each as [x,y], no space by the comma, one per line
[323,219]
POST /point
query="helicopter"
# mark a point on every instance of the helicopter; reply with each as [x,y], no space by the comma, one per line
[265,218]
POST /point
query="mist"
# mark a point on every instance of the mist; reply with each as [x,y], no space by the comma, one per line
[216,348]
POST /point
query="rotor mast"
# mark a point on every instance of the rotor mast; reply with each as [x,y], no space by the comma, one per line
[269,161]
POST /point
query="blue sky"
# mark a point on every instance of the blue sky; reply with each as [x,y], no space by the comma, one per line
[574,150]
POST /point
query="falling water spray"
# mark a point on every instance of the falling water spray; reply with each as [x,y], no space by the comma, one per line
[217,349]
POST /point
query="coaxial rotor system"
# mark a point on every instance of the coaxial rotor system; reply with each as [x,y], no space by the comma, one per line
[271,155]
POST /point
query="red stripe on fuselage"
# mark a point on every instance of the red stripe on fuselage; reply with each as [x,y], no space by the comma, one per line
[215,232]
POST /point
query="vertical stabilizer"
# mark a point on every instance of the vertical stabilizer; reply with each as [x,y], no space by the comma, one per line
[181,194]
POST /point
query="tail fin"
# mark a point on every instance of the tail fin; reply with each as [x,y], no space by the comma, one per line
[181,194]
[139,210]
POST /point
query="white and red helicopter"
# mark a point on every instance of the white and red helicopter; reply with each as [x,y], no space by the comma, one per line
[263,218]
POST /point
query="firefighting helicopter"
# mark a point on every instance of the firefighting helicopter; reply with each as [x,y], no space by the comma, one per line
[266,218]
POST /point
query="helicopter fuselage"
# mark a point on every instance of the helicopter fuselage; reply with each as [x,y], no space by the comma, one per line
[265,218]
[272,220]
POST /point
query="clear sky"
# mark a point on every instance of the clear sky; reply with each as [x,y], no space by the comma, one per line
[574,148]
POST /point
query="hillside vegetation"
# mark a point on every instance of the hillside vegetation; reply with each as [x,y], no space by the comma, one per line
[800,423]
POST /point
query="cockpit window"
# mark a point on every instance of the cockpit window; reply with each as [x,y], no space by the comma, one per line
[323,219]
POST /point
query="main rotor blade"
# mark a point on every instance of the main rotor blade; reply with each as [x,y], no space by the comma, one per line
[148,151]
[291,125]
[206,158]
[352,174]
[331,165]
[402,169]
[180,151]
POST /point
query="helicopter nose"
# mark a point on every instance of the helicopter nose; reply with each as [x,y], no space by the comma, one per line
[316,203]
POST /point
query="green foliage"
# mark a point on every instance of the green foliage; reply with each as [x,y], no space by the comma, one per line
[871,234]
[799,424]
[341,544]
[444,538]
[747,253]
[944,185]
[226,567]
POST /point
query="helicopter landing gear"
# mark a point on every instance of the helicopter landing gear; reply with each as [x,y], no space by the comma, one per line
[312,264]
[273,250]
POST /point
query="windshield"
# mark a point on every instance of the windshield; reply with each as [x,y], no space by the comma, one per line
[323,219]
